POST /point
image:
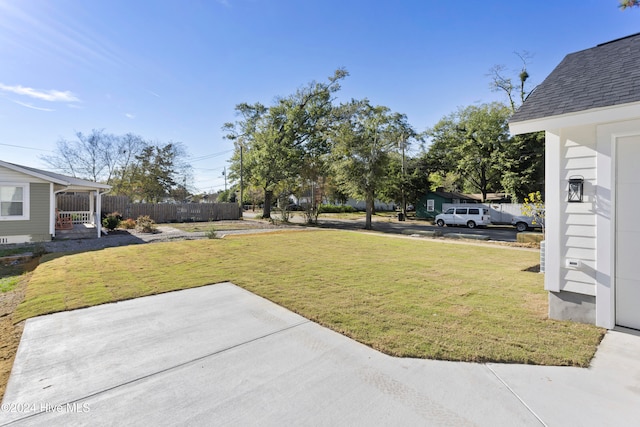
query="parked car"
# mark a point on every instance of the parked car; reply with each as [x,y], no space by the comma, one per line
[471,217]
[524,223]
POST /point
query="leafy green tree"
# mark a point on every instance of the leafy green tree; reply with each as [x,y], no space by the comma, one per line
[474,139]
[412,184]
[363,142]
[158,169]
[624,4]
[523,157]
[523,163]
[223,196]
[417,178]
[122,181]
[278,142]
[448,181]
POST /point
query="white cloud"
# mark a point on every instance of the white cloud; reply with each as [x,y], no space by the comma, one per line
[44,95]
[24,104]
[130,116]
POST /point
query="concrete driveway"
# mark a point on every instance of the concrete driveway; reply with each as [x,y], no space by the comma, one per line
[219,355]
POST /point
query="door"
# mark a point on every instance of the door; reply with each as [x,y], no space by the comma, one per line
[627,273]
[460,218]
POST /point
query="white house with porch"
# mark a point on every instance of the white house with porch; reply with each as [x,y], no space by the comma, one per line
[589,108]
[28,211]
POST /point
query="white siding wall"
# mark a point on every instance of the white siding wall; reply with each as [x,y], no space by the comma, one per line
[574,224]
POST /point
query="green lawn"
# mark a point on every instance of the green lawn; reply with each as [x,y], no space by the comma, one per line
[406,297]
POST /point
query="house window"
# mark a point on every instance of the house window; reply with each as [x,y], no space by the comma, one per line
[14,202]
[431,205]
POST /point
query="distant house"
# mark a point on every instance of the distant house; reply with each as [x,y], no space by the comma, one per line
[491,198]
[430,204]
[28,203]
[589,108]
[378,205]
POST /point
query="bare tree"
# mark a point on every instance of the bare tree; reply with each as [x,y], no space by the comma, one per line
[90,156]
[500,82]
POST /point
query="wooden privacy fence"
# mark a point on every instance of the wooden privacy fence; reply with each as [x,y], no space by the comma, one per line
[159,212]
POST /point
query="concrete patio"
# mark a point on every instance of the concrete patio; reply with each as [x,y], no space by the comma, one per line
[221,355]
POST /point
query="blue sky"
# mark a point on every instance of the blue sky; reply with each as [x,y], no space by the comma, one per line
[174,70]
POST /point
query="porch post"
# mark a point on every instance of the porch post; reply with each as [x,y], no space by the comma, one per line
[98,213]
[92,206]
[52,210]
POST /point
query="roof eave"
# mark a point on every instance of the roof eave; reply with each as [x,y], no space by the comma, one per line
[93,186]
[32,173]
[71,183]
[614,113]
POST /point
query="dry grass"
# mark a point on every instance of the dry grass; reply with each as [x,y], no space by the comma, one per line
[406,297]
[191,227]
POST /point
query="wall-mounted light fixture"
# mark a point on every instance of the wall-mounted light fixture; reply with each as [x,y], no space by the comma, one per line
[576,185]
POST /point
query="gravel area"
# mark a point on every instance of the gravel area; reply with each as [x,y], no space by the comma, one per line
[131,237]
[120,238]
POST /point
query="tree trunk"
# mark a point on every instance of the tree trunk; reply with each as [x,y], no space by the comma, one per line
[266,212]
[367,223]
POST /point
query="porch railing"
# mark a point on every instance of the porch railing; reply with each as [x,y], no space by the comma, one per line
[77,217]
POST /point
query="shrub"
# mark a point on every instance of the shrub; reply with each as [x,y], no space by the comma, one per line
[337,209]
[144,224]
[111,221]
[39,250]
[534,206]
[211,233]
[128,224]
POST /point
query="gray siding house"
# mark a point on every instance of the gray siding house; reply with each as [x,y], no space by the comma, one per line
[589,108]
[28,203]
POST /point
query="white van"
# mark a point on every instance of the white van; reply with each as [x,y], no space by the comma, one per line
[469,216]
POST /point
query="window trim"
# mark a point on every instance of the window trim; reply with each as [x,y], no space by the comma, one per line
[431,205]
[26,197]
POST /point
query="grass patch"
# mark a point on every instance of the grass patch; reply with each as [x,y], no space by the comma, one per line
[17,250]
[412,298]
[9,283]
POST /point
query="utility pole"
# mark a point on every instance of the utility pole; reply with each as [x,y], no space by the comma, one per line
[404,200]
[224,173]
[241,184]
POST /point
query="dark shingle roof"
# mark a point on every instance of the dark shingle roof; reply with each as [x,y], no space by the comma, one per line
[603,76]
[452,195]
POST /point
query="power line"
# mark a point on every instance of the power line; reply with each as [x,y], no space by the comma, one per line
[209,156]
[26,148]
[209,169]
